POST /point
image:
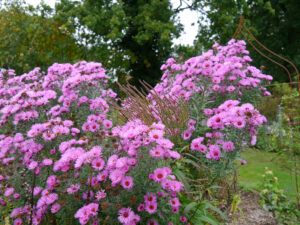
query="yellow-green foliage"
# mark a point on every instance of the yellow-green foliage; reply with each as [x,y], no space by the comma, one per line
[28,39]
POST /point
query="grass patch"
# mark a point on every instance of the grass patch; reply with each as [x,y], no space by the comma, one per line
[250,175]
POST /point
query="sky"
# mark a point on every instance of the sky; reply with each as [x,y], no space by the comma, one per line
[187,17]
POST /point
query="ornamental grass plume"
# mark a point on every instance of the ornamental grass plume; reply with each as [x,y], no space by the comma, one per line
[170,111]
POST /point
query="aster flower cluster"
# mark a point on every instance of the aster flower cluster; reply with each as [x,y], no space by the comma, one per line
[135,139]
[221,71]
[62,155]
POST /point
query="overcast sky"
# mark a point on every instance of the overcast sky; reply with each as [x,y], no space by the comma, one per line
[187,17]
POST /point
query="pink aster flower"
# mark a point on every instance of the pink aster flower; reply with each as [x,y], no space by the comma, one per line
[175,186]
[86,127]
[196,143]
[51,180]
[98,164]
[191,86]
[102,176]
[112,160]
[116,176]
[48,136]
[247,107]
[191,123]
[175,202]
[216,87]
[9,192]
[100,195]
[228,146]
[73,188]
[172,154]
[165,143]
[151,207]
[141,207]
[36,190]
[32,165]
[47,162]
[208,112]
[175,210]
[83,99]
[96,151]
[84,220]
[183,219]
[214,152]
[93,127]
[239,122]
[187,134]
[231,78]
[216,80]
[121,162]
[136,218]
[68,123]
[131,161]
[16,212]
[93,208]
[36,220]
[157,152]
[55,208]
[16,196]
[127,182]
[107,124]
[125,215]
[253,140]
[51,198]
[156,134]
[202,148]
[160,174]
[230,89]
[75,130]
[18,221]
[150,197]
[243,162]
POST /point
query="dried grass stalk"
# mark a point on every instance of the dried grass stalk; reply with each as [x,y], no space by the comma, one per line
[171,111]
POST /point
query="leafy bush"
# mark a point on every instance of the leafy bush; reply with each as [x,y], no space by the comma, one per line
[274,200]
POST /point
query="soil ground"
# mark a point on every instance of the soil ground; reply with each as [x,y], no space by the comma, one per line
[253,212]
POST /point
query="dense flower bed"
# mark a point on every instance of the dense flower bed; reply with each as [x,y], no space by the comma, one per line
[64,159]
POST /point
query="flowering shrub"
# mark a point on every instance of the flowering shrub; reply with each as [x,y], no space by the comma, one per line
[217,87]
[64,160]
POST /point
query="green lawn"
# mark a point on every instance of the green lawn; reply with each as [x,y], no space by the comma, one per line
[250,175]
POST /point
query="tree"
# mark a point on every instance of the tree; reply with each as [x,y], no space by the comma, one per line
[275,23]
[133,37]
[29,37]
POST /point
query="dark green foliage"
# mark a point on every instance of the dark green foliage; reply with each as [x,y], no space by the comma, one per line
[30,37]
[133,37]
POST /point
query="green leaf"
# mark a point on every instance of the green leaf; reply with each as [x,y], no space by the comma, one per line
[189,207]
